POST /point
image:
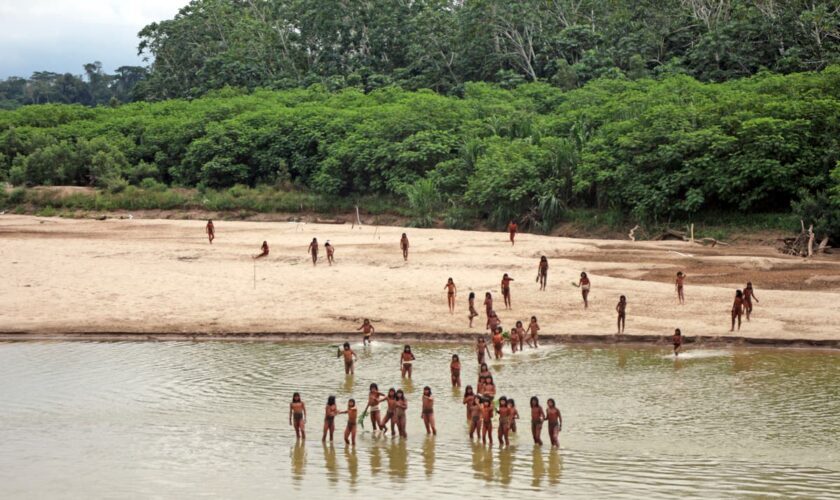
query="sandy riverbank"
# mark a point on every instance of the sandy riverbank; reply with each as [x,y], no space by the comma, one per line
[64,276]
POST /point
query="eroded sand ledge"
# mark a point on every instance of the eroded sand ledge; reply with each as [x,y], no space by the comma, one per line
[160,279]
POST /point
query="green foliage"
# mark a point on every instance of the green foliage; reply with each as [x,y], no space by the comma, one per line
[423,200]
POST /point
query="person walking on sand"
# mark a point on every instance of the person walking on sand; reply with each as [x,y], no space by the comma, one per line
[584,284]
[404,246]
[428,411]
[263,251]
[451,289]
[679,284]
[749,295]
[313,251]
[330,252]
[737,309]
[621,309]
[297,415]
[210,229]
[367,330]
[473,312]
[542,273]
[349,358]
[555,423]
[533,329]
[512,228]
[677,340]
[329,418]
[506,289]
[406,359]
[537,418]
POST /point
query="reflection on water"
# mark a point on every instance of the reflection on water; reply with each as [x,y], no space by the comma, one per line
[160,419]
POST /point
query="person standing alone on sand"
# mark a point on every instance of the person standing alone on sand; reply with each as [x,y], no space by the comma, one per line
[749,295]
[451,289]
[678,285]
[737,309]
[621,309]
[263,251]
[506,290]
[211,231]
[404,246]
[542,272]
[473,312]
[584,285]
[512,229]
[313,251]
[330,252]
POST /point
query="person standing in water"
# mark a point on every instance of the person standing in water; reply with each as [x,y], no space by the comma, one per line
[473,312]
[263,251]
[498,343]
[514,338]
[297,415]
[504,422]
[469,397]
[679,285]
[210,229]
[451,289]
[533,329]
[455,371]
[350,430]
[520,336]
[542,272]
[506,289]
[537,418]
[677,340]
[329,418]
[493,322]
[406,359]
[390,411]
[330,252]
[349,357]
[584,285]
[404,246]
[514,414]
[621,309]
[374,398]
[474,410]
[487,421]
[555,423]
[512,228]
[428,411]
[367,331]
[749,295]
[313,251]
[737,309]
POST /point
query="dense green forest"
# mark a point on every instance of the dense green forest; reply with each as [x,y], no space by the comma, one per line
[657,149]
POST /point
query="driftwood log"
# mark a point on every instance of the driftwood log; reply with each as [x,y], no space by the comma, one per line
[802,245]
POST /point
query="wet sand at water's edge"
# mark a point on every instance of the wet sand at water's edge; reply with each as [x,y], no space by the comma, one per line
[159,278]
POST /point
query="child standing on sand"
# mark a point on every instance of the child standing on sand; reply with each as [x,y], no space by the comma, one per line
[211,231]
[677,341]
[512,229]
[506,290]
[455,371]
[428,411]
[297,415]
[451,289]
[533,328]
[406,358]
[584,285]
[749,295]
[404,246]
[329,418]
[330,252]
[473,312]
[313,251]
[542,272]
[621,309]
[349,357]
[737,309]
[555,423]
[679,285]
[367,330]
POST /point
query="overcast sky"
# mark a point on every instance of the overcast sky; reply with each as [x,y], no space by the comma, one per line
[62,35]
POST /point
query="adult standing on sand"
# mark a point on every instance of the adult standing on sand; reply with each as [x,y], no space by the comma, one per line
[584,285]
[404,246]
[737,309]
[210,230]
[313,251]
[506,290]
[263,251]
[542,272]
[749,295]
[512,229]
[330,252]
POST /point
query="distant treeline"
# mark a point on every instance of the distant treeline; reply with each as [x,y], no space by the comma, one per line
[654,148]
[93,88]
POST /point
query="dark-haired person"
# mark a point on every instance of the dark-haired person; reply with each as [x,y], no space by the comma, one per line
[542,272]
[404,246]
[329,418]
[555,422]
[428,411]
[749,295]
[374,398]
[349,358]
[313,251]
[263,251]
[297,415]
[506,290]
[537,418]
[406,360]
[737,309]
[350,430]
[330,252]
[512,228]
[210,229]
